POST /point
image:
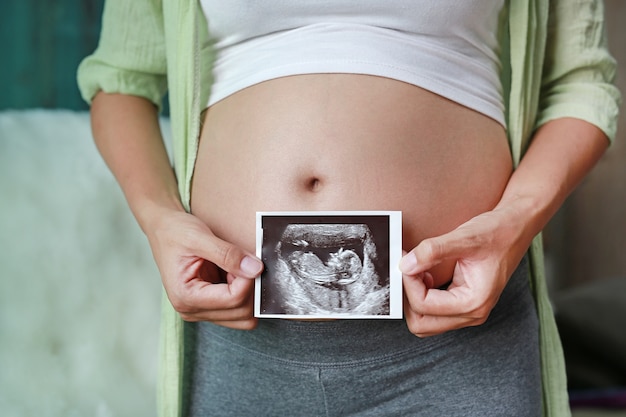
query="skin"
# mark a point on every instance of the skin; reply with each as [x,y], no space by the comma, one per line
[208,274]
[305,145]
[492,244]
[127,134]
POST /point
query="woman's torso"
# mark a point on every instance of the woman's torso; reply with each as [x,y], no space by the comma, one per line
[347,142]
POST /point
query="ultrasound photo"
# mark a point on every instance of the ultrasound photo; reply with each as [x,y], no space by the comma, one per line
[329,265]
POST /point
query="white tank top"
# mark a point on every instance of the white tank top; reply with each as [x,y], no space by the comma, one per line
[448,47]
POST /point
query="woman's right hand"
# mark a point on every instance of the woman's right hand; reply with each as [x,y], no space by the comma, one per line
[191,259]
[205,278]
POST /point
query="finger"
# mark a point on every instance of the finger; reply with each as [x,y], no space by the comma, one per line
[229,257]
[427,320]
[458,301]
[425,326]
[248,324]
[200,298]
[242,314]
[233,294]
[432,251]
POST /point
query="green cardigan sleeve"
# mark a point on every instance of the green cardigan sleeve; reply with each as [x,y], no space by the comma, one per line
[579,71]
[130,57]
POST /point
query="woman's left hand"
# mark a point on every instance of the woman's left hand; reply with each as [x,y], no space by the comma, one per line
[488,248]
[486,251]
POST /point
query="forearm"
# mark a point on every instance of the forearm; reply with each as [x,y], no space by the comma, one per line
[127,133]
[205,277]
[562,152]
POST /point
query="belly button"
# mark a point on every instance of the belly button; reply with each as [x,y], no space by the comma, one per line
[314,184]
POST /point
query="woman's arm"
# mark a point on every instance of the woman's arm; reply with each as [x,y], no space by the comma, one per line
[489,247]
[577,111]
[127,134]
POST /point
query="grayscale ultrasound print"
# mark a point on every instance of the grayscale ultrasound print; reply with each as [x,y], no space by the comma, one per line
[326,269]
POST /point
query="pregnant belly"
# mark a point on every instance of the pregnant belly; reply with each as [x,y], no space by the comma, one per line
[347,142]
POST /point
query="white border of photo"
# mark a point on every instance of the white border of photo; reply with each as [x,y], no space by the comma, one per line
[394,256]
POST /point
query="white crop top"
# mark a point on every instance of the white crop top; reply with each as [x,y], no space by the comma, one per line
[448,47]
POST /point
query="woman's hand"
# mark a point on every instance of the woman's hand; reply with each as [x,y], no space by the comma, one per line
[193,261]
[486,249]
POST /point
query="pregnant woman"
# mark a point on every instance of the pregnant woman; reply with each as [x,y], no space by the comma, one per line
[420,106]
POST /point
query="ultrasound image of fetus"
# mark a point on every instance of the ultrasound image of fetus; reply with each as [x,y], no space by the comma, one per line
[326,269]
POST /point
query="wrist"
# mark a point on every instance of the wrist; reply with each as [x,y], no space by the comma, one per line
[527,213]
[149,211]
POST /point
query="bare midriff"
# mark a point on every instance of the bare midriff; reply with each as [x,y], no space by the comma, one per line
[347,142]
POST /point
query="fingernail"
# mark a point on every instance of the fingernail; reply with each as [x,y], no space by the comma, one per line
[251,266]
[408,263]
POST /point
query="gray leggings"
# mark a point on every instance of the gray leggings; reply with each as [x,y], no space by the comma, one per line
[370,367]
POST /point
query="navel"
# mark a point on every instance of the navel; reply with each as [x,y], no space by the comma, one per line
[313,184]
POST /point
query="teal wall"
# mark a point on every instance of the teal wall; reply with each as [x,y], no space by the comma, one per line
[41,44]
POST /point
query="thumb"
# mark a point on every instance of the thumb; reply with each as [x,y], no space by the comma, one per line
[432,251]
[230,257]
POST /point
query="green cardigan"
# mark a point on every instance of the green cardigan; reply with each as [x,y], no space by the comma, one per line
[555,64]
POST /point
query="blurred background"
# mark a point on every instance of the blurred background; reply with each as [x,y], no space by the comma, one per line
[79,294]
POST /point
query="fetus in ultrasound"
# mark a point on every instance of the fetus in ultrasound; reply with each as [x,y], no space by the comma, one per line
[329,269]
